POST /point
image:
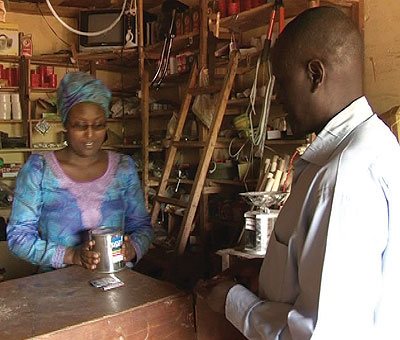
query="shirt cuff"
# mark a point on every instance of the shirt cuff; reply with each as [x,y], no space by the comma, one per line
[239,302]
[138,252]
[58,257]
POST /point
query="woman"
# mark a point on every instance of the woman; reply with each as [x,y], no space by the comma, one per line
[61,195]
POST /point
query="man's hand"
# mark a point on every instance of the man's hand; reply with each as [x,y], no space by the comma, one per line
[214,292]
[246,273]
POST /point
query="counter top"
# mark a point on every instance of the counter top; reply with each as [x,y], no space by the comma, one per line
[63,305]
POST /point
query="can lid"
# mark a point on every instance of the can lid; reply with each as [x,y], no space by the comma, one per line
[104,231]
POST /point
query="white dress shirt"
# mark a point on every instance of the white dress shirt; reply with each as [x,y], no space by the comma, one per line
[332,268]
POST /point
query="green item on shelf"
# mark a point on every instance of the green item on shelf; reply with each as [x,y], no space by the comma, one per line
[51,116]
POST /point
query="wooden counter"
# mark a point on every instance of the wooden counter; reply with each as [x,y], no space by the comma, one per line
[62,305]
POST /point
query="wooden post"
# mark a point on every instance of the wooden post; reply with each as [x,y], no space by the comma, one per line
[203,34]
[144,81]
[145,135]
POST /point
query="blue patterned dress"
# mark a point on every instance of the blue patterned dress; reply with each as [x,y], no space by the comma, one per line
[52,212]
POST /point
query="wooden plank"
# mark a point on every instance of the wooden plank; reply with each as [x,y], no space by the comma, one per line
[171,153]
[206,156]
[144,112]
[203,34]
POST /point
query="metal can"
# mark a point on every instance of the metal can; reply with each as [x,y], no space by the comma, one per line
[187,22]
[179,24]
[195,19]
[26,48]
[258,229]
[108,243]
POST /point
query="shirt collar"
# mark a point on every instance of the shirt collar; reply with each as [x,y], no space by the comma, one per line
[338,128]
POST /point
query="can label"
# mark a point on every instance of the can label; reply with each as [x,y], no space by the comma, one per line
[116,248]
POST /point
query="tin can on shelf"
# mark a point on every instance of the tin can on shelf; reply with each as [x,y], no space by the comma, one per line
[195,19]
[178,24]
[187,22]
[26,46]
[108,243]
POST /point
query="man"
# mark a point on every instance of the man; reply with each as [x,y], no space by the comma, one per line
[332,266]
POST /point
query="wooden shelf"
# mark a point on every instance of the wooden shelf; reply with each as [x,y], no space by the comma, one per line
[43,90]
[285,142]
[50,121]
[253,18]
[10,58]
[111,54]
[9,89]
[124,93]
[56,59]
[181,42]
[11,121]
[16,150]
[161,113]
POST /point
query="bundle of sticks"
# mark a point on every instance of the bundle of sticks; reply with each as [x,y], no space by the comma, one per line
[275,174]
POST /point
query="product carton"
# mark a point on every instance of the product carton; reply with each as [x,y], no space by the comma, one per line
[9,39]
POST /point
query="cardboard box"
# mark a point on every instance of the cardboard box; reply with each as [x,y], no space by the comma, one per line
[9,39]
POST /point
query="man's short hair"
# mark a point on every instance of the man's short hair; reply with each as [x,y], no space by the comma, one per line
[325,33]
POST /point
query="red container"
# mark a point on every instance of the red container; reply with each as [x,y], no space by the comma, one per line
[52,80]
[178,24]
[255,3]
[14,76]
[8,76]
[195,19]
[245,5]
[49,70]
[35,80]
[187,22]
[234,8]
[222,8]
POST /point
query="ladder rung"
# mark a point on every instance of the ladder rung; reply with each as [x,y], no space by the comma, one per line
[172,201]
[204,90]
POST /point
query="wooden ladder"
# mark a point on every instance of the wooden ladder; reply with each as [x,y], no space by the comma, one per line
[206,154]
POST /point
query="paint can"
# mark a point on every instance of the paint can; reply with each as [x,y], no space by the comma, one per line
[109,245]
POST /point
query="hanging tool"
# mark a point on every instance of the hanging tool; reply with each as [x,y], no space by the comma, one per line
[165,53]
[278,7]
[172,7]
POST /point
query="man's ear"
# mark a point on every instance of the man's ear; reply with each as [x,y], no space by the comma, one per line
[316,73]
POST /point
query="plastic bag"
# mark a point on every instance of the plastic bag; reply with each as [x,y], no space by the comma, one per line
[204,104]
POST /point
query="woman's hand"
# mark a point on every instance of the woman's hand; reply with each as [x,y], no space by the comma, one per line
[128,251]
[83,256]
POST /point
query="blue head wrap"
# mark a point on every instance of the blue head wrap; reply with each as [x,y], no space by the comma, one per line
[80,87]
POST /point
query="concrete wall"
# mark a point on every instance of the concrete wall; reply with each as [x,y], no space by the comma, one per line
[382,53]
